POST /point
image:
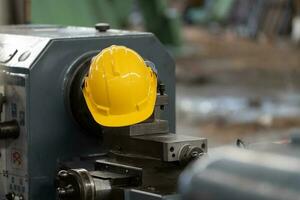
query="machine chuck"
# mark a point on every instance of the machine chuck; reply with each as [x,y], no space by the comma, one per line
[75,184]
[106,182]
[74,99]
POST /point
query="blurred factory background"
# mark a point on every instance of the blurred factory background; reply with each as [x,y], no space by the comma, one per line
[238,61]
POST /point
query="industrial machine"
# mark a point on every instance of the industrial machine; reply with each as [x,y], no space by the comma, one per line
[262,171]
[51,145]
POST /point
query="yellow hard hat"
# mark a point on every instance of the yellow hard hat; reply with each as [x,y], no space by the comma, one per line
[120,89]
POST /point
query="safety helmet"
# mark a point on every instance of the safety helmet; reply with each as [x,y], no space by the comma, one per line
[120,89]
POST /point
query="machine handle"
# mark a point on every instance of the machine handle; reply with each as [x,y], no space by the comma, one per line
[9,129]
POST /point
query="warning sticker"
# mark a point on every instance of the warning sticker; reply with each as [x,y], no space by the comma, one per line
[16,159]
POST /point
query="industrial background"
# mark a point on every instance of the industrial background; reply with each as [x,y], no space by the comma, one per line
[237,61]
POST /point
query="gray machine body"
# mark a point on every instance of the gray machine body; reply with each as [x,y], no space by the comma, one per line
[270,172]
[35,61]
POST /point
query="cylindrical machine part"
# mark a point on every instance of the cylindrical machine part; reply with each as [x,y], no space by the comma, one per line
[74,99]
[188,153]
[75,184]
[233,173]
[79,184]
[9,129]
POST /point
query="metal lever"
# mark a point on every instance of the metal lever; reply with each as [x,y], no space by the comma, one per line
[9,129]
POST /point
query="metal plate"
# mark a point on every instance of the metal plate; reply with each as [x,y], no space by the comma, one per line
[12,48]
[34,38]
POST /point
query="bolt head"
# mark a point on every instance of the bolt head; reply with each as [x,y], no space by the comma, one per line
[102,27]
[63,174]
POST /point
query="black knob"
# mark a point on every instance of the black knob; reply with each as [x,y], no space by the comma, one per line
[102,27]
[67,191]
[10,196]
[13,196]
[9,129]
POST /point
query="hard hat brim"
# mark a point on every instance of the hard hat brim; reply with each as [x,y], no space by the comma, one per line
[110,120]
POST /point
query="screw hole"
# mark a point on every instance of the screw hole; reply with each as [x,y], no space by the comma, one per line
[173,155]
[171,149]
[203,146]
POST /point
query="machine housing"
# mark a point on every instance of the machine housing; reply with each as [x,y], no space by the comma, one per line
[35,63]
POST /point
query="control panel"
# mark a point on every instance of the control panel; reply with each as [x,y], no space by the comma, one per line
[13,138]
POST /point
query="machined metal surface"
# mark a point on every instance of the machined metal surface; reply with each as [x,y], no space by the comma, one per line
[160,145]
[170,146]
[13,49]
[76,184]
[102,184]
[152,138]
[128,177]
[144,162]
[157,126]
[234,173]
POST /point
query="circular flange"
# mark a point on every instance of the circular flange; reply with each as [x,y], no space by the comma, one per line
[74,100]
[188,153]
[85,182]
[76,184]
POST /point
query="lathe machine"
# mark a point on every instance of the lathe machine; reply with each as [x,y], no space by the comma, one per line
[52,149]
